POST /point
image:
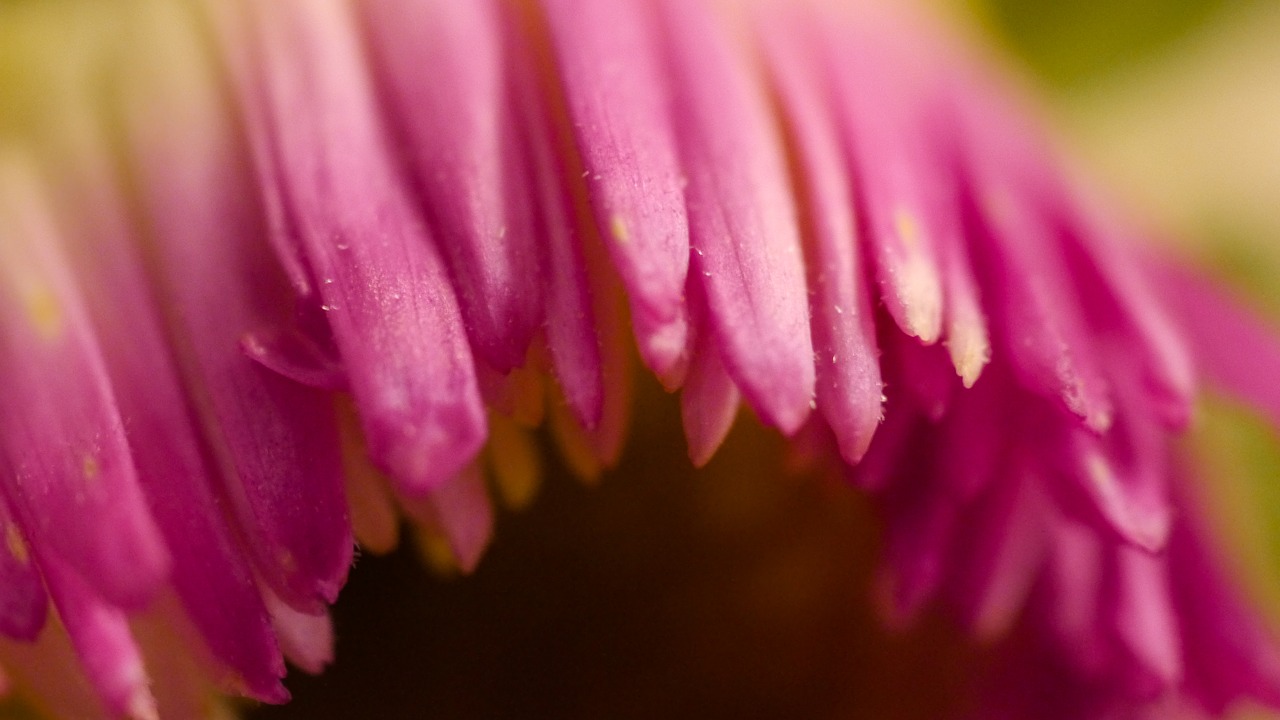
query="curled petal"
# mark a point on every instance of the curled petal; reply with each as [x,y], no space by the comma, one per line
[274,442]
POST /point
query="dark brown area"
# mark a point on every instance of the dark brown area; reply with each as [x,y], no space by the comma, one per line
[739,591]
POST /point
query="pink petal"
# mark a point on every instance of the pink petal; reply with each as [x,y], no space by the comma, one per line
[570,319]
[992,571]
[1230,651]
[210,572]
[68,472]
[848,388]
[1130,491]
[1033,300]
[23,602]
[878,92]
[100,633]
[389,301]
[1124,304]
[709,400]
[307,639]
[1145,620]
[292,353]
[275,441]
[440,65]
[743,224]
[608,57]
[1232,346]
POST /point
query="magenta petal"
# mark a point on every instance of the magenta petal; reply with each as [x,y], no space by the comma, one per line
[102,640]
[1123,303]
[1073,594]
[389,301]
[570,318]
[994,568]
[882,466]
[23,602]
[921,522]
[1146,622]
[608,57]
[1033,300]
[68,471]
[440,66]
[275,442]
[1230,652]
[743,224]
[1232,346]
[210,573]
[878,89]
[849,391]
[1123,473]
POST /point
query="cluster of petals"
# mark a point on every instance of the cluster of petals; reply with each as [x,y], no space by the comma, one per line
[314,266]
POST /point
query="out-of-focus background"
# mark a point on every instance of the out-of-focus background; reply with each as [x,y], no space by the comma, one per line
[743,592]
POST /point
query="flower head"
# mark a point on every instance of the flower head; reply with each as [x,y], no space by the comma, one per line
[320,265]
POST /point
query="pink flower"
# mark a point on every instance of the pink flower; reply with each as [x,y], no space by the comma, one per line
[360,242]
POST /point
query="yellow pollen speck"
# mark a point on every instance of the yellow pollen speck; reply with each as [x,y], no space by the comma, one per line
[618,229]
[908,228]
[90,468]
[1100,473]
[44,312]
[16,545]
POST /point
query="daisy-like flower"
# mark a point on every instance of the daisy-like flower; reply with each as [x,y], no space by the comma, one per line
[277,274]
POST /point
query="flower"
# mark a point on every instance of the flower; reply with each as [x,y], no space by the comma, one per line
[297,269]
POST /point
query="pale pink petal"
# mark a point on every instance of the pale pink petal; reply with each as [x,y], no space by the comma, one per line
[306,639]
[1146,622]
